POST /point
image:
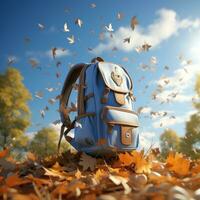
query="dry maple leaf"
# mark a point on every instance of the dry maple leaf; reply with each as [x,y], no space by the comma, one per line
[78,174]
[52,172]
[117,180]
[100,173]
[126,159]
[4,153]
[87,162]
[142,165]
[177,163]
[39,181]
[15,180]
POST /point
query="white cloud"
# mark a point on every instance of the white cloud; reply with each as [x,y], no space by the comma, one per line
[178,84]
[60,52]
[148,139]
[165,26]
[146,110]
[168,122]
[57,127]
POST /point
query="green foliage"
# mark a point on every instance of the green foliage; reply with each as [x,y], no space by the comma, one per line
[169,141]
[197,89]
[44,143]
[188,144]
[15,114]
[192,137]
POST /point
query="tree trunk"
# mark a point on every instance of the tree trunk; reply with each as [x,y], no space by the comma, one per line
[5,141]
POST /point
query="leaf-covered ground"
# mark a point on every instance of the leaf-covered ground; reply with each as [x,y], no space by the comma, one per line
[134,175]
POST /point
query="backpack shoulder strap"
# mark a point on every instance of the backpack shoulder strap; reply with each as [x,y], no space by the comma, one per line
[71,78]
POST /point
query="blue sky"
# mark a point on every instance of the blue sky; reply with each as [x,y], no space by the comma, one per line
[171,27]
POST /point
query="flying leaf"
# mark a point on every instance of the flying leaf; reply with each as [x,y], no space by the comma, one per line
[41,26]
[52,101]
[39,95]
[128,39]
[65,27]
[79,22]
[50,89]
[42,113]
[120,15]
[34,63]
[87,162]
[93,5]
[146,47]
[154,60]
[109,28]
[134,22]
[71,39]
[53,50]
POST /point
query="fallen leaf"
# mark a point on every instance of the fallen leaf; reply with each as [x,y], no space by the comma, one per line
[142,165]
[117,180]
[126,158]
[54,173]
[177,163]
[4,153]
[87,162]
[15,180]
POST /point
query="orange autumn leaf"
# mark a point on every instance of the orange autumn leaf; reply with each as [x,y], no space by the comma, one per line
[38,181]
[15,180]
[61,189]
[76,184]
[126,159]
[177,163]
[100,173]
[4,153]
[24,197]
[1,178]
[54,173]
[142,165]
[78,174]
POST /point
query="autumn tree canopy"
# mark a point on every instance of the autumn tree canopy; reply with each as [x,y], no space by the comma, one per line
[44,142]
[169,140]
[15,113]
[190,144]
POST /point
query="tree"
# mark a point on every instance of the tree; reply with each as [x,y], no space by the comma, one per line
[169,140]
[190,144]
[15,114]
[44,143]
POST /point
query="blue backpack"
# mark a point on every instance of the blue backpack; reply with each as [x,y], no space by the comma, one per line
[106,120]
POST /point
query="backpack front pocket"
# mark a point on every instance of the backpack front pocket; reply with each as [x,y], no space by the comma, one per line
[120,127]
[84,132]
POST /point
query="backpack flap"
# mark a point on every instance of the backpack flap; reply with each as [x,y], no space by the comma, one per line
[116,79]
[126,119]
